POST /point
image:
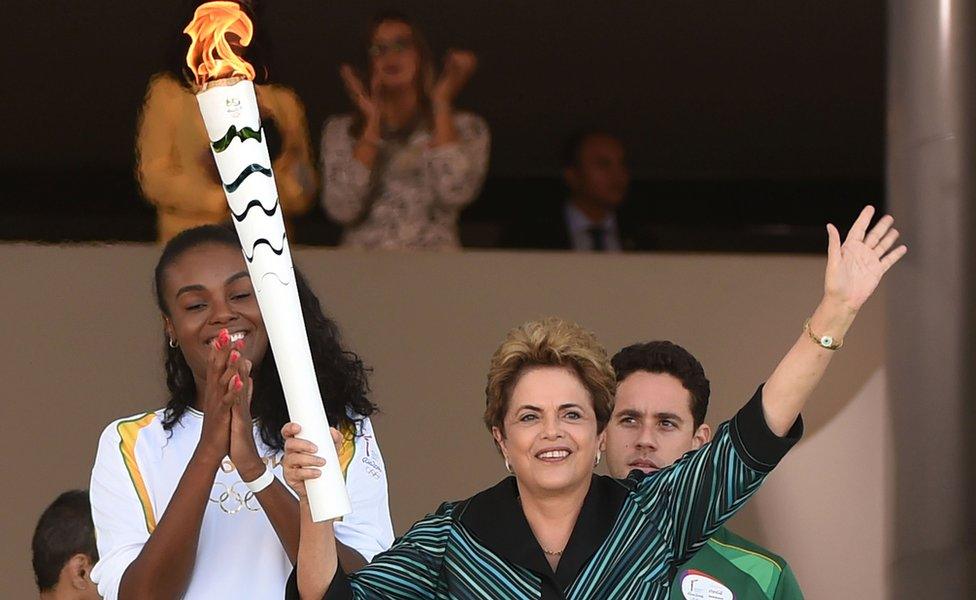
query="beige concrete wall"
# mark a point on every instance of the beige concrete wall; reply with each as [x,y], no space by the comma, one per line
[81,346]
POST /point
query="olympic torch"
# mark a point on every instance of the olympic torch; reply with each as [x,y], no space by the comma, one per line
[230,112]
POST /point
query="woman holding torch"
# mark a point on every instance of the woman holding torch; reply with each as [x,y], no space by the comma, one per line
[187,500]
[556,530]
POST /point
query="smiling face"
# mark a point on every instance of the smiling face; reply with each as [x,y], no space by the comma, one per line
[206,289]
[550,434]
[394,56]
[652,425]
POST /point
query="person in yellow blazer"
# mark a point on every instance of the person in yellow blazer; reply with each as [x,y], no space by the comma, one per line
[175,167]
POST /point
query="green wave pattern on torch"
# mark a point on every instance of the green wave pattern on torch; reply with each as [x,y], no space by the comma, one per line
[249,170]
[245,133]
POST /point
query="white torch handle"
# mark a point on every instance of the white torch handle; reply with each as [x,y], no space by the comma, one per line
[279,306]
[230,113]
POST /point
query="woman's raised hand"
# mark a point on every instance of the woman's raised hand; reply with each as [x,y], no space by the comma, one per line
[363,99]
[300,462]
[856,266]
[459,65]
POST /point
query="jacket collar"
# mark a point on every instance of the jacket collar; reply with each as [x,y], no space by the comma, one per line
[495,518]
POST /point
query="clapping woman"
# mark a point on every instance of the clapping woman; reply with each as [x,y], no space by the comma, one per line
[187,500]
[397,172]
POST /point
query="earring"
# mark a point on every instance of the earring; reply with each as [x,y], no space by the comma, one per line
[173,343]
[508,467]
[599,455]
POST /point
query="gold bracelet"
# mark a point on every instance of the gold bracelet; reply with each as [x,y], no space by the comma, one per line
[824,341]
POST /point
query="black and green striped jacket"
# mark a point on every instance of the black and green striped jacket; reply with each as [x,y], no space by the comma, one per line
[629,540]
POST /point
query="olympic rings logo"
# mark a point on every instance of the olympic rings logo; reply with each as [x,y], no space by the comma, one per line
[231,501]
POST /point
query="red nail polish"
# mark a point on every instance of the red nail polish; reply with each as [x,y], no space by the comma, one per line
[234,355]
[224,337]
[237,383]
[239,344]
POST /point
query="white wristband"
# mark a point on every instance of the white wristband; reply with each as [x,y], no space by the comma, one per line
[261,482]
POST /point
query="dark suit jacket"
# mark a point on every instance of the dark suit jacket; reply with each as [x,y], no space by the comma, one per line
[551,232]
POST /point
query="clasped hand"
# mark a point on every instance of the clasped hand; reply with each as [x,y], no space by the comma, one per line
[227,425]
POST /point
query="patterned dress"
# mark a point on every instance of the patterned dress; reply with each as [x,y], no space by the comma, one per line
[629,540]
[413,194]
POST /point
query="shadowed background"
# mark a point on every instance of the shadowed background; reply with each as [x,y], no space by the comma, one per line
[748,123]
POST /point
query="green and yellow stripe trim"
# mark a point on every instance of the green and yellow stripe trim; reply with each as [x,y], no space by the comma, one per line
[348,448]
[128,434]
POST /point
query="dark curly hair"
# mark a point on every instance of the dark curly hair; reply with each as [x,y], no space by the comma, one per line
[671,359]
[341,375]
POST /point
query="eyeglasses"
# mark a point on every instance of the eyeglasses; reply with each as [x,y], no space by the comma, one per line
[397,46]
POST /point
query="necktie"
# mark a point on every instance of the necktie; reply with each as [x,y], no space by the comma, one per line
[598,238]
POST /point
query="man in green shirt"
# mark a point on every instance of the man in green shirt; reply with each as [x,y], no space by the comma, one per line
[658,416]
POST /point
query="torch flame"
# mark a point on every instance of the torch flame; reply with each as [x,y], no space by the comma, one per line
[210,55]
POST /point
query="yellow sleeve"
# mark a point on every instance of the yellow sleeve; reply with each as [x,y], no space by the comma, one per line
[294,170]
[161,156]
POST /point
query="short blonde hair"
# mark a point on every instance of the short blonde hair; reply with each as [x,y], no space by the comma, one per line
[551,342]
